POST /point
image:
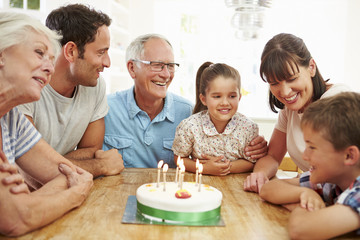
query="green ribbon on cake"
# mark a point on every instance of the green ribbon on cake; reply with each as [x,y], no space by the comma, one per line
[179,216]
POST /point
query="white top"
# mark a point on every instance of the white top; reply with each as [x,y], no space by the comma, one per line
[289,123]
[62,121]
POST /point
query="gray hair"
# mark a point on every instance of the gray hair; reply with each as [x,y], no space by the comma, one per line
[136,47]
[15,27]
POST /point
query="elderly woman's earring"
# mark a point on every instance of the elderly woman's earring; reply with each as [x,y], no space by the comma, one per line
[2,62]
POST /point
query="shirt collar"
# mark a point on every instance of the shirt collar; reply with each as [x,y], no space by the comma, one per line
[209,127]
[167,112]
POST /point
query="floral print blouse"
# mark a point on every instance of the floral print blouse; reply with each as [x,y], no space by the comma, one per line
[197,135]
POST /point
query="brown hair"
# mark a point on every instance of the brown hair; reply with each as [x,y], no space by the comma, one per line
[336,118]
[280,53]
[206,73]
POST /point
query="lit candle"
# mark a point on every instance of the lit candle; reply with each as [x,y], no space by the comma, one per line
[177,169]
[181,162]
[200,173]
[197,172]
[165,168]
[182,173]
[158,175]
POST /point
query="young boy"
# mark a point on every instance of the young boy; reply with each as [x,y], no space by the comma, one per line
[331,128]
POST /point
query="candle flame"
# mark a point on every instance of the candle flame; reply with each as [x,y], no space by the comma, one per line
[182,167]
[200,168]
[165,168]
[178,161]
[160,163]
[197,163]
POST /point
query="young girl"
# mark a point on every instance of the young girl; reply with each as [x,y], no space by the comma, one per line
[216,133]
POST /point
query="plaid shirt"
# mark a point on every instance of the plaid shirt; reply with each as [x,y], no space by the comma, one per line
[332,194]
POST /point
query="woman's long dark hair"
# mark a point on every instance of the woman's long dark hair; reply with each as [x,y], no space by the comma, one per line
[282,52]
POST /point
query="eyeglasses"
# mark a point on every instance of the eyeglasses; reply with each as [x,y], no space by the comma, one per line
[159,66]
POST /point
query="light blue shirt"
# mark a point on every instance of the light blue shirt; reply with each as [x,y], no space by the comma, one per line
[140,141]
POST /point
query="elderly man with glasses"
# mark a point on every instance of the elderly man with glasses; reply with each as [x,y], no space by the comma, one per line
[142,120]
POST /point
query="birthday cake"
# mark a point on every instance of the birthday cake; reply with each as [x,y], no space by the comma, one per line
[185,205]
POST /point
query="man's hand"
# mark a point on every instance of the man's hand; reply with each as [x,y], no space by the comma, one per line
[111,161]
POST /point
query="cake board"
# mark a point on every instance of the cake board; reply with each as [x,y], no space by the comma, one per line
[131,216]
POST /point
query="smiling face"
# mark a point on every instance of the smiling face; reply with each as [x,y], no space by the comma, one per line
[150,85]
[297,91]
[326,164]
[28,66]
[87,70]
[222,100]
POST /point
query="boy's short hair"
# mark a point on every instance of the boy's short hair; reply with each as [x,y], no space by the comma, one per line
[337,118]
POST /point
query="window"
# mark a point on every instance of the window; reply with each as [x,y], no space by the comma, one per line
[25,4]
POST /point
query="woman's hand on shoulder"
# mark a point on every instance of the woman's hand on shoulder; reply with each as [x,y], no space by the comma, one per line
[257,148]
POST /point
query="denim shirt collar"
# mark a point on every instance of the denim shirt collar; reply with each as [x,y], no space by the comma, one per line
[167,112]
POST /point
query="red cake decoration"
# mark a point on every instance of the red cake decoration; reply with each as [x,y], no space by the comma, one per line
[182,194]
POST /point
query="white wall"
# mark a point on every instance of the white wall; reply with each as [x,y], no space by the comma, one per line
[328,27]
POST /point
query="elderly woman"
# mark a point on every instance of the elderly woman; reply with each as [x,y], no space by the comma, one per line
[27,54]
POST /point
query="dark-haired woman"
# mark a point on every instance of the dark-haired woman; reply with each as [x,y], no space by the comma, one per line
[295,82]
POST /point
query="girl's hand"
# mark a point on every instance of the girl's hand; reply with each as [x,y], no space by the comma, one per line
[215,165]
[14,177]
[311,200]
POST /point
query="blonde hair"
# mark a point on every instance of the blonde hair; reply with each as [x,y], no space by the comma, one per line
[15,27]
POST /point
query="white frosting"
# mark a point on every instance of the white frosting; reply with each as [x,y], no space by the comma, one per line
[207,199]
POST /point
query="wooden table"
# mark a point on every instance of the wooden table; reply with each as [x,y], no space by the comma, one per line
[245,215]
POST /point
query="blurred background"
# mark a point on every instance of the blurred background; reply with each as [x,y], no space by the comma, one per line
[228,31]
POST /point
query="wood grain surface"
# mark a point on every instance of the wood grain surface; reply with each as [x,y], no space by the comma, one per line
[245,215]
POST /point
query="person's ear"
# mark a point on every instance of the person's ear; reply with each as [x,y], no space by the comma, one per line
[352,155]
[71,51]
[312,67]
[202,99]
[131,69]
[240,95]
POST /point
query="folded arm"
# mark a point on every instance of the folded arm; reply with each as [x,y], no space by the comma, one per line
[89,155]
[325,223]
[23,211]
